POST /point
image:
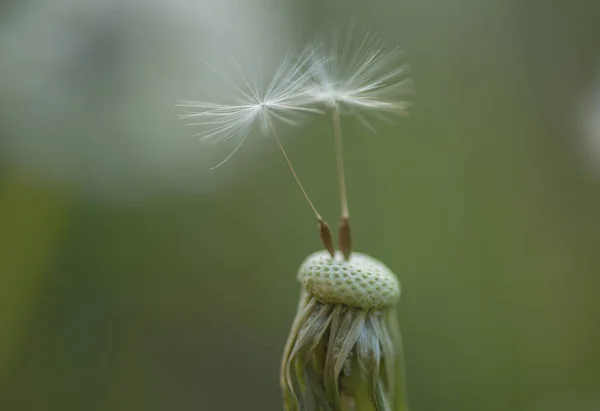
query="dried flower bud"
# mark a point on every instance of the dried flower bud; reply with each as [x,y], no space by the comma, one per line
[344,352]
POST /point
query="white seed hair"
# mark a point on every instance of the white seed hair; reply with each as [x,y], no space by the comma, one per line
[360,77]
[286,98]
[355,76]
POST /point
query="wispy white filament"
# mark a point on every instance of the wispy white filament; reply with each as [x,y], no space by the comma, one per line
[356,77]
[287,96]
[359,77]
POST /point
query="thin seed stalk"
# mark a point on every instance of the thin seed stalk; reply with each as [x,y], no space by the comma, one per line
[324,231]
[337,133]
[344,236]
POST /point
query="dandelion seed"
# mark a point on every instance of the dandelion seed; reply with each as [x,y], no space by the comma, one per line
[357,79]
[344,351]
[361,77]
[286,99]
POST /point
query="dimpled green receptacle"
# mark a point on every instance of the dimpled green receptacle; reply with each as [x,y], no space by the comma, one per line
[362,281]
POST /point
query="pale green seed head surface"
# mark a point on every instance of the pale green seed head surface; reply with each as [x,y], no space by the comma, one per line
[362,281]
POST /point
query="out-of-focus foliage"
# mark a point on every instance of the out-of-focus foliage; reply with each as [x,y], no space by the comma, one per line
[131,278]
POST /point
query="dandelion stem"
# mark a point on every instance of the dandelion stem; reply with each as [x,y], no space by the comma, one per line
[344,229]
[324,231]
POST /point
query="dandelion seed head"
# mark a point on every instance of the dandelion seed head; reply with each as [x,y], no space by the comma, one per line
[359,282]
[345,344]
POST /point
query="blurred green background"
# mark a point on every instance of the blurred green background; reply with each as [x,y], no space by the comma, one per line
[132,278]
